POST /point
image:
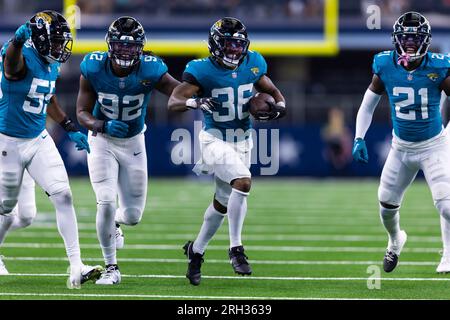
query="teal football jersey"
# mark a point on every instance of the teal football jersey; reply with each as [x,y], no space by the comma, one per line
[23,103]
[123,99]
[414,95]
[232,88]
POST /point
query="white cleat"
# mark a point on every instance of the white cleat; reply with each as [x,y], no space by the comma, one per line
[393,251]
[444,265]
[120,239]
[110,276]
[80,274]
[396,245]
[3,270]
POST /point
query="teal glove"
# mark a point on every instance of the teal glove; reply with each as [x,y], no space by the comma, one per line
[80,140]
[23,33]
[116,128]
[359,151]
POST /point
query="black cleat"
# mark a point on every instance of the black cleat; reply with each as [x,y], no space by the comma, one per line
[239,261]
[390,261]
[195,263]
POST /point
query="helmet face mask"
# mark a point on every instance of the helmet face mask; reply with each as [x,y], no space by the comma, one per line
[228,42]
[126,40]
[51,37]
[412,36]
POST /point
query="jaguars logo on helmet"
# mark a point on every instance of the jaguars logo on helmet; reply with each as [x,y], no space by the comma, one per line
[50,36]
[228,42]
[126,40]
[412,36]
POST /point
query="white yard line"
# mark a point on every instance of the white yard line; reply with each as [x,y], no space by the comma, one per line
[250,237]
[218,261]
[217,247]
[156,296]
[251,278]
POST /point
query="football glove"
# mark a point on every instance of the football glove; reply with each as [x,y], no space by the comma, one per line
[206,104]
[359,151]
[80,140]
[23,33]
[116,128]
[276,111]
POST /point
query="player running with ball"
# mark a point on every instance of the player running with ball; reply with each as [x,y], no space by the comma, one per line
[220,86]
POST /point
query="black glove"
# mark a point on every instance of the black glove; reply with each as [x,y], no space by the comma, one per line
[206,104]
[275,112]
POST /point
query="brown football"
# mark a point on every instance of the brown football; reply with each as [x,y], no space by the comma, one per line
[259,103]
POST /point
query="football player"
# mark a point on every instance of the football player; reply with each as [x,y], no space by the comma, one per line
[115,89]
[413,79]
[30,67]
[220,86]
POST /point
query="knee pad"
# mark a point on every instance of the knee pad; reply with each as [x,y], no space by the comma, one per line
[106,196]
[389,197]
[63,197]
[26,215]
[132,216]
[443,207]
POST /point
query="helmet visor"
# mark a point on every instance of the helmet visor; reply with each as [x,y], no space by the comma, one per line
[60,48]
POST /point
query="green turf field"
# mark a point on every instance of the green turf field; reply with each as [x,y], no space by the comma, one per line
[305,239]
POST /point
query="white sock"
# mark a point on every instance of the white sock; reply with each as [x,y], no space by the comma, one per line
[211,223]
[391,221]
[5,225]
[19,223]
[237,209]
[445,231]
[67,225]
[106,229]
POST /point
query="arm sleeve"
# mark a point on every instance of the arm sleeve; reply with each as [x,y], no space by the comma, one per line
[365,113]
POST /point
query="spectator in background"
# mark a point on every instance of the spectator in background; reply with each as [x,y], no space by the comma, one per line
[338,140]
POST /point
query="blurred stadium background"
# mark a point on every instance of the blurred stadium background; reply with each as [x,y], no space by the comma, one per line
[319,52]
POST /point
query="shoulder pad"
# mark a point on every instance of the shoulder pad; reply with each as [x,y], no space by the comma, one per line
[93,62]
[152,67]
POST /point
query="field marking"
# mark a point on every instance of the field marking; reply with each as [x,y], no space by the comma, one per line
[218,261]
[170,276]
[156,296]
[152,227]
[217,247]
[250,237]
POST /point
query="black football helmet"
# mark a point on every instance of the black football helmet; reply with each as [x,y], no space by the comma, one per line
[412,35]
[228,42]
[50,36]
[126,40]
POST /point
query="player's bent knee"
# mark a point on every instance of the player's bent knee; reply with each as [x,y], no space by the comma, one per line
[62,198]
[242,184]
[132,216]
[106,196]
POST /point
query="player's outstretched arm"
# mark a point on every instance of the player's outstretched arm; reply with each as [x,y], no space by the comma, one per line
[364,118]
[166,84]
[278,110]
[14,64]
[181,99]
[55,112]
